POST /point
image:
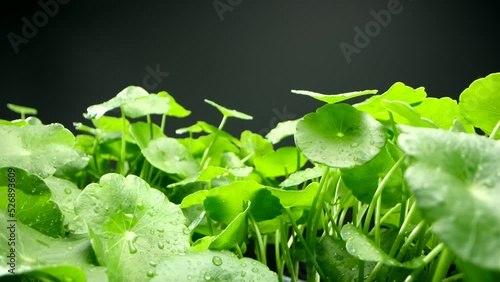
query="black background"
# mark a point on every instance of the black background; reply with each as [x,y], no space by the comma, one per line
[247,59]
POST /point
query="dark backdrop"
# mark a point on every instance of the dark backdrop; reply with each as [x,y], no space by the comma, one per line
[244,54]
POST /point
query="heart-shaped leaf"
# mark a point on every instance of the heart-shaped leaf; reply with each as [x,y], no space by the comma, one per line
[455,179]
[131,224]
[340,136]
[283,161]
[39,149]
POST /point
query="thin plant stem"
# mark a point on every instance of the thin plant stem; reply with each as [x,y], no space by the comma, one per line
[262,246]
[123,143]
[277,255]
[495,130]
[427,259]
[207,150]
[286,251]
[443,264]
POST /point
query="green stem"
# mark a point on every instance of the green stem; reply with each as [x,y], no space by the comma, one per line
[361,271]
[402,230]
[163,120]
[377,221]
[123,143]
[238,250]
[304,243]
[427,259]
[455,277]
[262,247]
[495,130]
[386,215]
[286,251]
[207,150]
[378,192]
[414,233]
[444,262]
[277,255]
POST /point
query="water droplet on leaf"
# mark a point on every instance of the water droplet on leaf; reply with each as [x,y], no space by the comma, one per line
[217,260]
[161,245]
[67,191]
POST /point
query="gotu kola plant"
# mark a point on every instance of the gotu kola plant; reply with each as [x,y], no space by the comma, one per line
[398,187]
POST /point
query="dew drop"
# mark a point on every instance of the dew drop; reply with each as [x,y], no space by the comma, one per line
[140,206]
[255,270]
[67,191]
[161,245]
[217,260]
[243,274]
[131,247]
[152,231]
[152,263]
[189,277]
[372,142]
[340,134]
[186,231]
[150,274]
[207,276]
[160,230]
[323,147]
[243,264]
[354,145]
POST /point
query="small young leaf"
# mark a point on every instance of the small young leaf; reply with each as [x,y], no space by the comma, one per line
[480,103]
[283,161]
[282,130]
[302,176]
[264,205]
[143,132]
[340,136]
[233,234]
[302,198]
[211,266]
[228,112]
[334,98]
[22,109]
[443,112]
[405,114]
[147,105]
[175,110]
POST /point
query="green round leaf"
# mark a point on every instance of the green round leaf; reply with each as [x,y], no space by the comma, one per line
[39,149]
[443,112]
[147,105]
[480,103]
[283,161]
[131,224]
[170,156]
[228,112]
[282,130]
[302,176]
[455,179]
[175,110]
[33,203]
[340,136]
[211,266]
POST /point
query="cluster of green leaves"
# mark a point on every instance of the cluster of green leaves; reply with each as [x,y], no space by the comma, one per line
[399,187]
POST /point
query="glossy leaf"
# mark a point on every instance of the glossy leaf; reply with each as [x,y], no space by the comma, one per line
[334,98]
[211,266]
[41,255]
[340,136]
[301,198]
[361,247]
[233,234]
[131,224]
[264,205]
[170,156]
[480,103]
[443,112]
[228,112]
[39,149]
[455,179]
[64,194]
[33,203]
[129,94]
[212,172]
[337,263]
[143,132]
[405,114]
[254,144]
[302,176]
